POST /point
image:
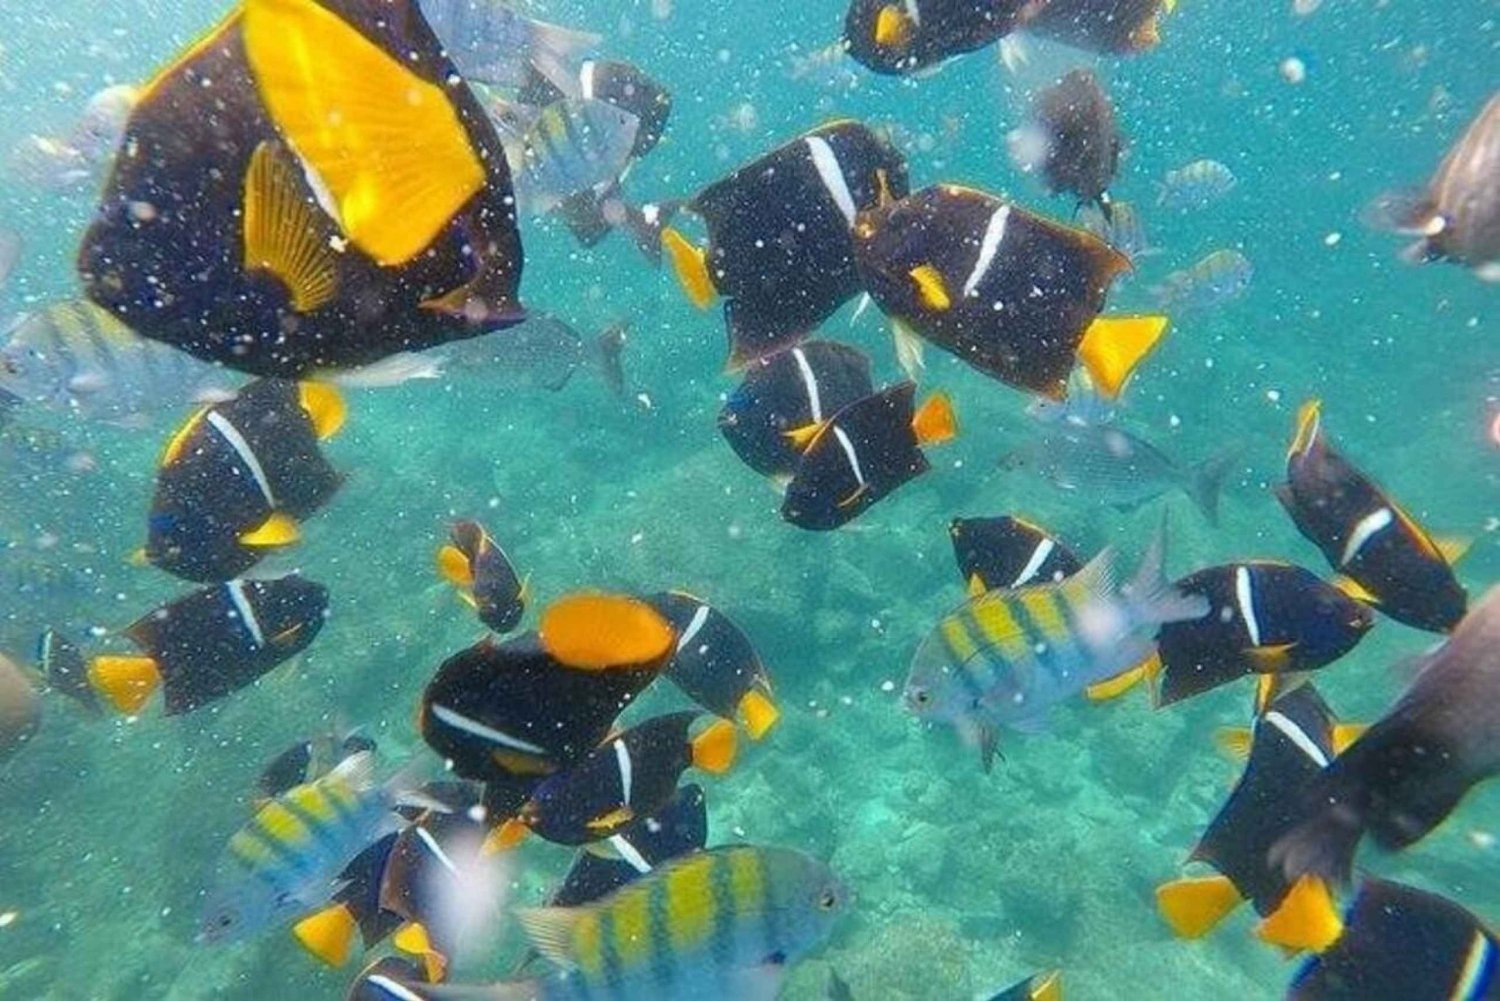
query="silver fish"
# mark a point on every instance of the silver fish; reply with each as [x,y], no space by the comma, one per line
[1196,185]
[491,42]
[1121,229]
[1217,279]
[571,146]
[543,353]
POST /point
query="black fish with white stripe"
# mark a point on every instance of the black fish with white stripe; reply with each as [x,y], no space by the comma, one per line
[1365,535]
[599,869]
[239,476]
[622,84]
[390,978]
[785,396]
[1265,618]
[901,37]
[1008,552]
[212,642]
[715,664]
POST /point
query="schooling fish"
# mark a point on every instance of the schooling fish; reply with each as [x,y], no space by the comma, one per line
[1365,535]
[212,642]
[1007,552]
[1265,619]
[281,214]
[1413,766]
[307,760]
[571,146]
[1038,987]
[475,564]
[1216,280]
[1011,293]
[239,476]
[1006,657]
[592,215]
[66,672]
[1195,185]
[727,922]
[1457,215]
[862,453]
[622,84]
[780,248]
[494,43]
[1120,227]
[544,352]
[677,829]
[1398,943]
[715,665]
[1072,140]
[782,394]
[75,357]
[900,37]
[632,775]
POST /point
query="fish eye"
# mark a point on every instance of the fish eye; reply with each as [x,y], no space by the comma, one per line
[921,696]
[828,900]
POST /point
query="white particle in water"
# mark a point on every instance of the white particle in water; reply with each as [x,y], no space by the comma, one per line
[1274,395]
[8,918]
[1332,239]
[887,686]
[1293,70]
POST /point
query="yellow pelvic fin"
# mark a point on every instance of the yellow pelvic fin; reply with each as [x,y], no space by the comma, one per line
[521,763]
[1047,986]
[690,265]
[1192,907]
[1306,919]
[137,557]
[127,682]
[277,530]
[1114,346]
[505,837]
[1309,422]
[1272,659]
[803,437]
[1234,741]
[612,820]
[935,421]
[178,441]
[412,939]
[1112,688]
[758,712]
[1354,589]
[892,27]
[281,230]
[1345,734]
[387,145]
[325,406]
[454,567]
[932,291]
[714,748]
[976,585]
[328,934]
[595,632]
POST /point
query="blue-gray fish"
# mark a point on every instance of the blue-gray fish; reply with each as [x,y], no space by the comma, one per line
[1121,228]
[491,42]
[572,145]
[1196,185]
[1219,278]
[543,352]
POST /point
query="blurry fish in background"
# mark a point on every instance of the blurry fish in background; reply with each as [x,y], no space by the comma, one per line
[75,357]
[828,68]
[1121,228]
[62,665]
[1456,215]
[78,159]
[1196,185]
[1116,27]
[306,761]
[910,36]
[20,707]
[11,247]
[1216,280]
[570,146]
[474,563]
[47,162]
[1071,140]
[542,352]
[493,42]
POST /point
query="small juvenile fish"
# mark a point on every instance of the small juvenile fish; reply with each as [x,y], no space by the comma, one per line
[492,42]
[473,562]
[572,146]
[1196,185]
[542,351]
[1216,280]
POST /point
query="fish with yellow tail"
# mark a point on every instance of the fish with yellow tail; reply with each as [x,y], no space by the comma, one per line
[715,664]
[727,922]
[1006,657]
[903,37]
[282,214]
[473,562]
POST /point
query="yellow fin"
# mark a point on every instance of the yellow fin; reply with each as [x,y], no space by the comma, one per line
[324,406]
[932,291]
[282,234]
[618,817]
[1354,589]
[1046,986]
[1192,907]
[454,567]
[277,530]
[1267,687]
[505,837]
[595,632]
[412,939]
[550,930]
[328,934]
[175,444]
[521,763]
[1114,346]
[1453,549]
[187,55]
[1111,688]
[1345,734]
[1306,919]
[1272,659]
[892,27]
[1234,741]
[1309,420]
[758,712]
[387,145]
[137,557]
[934,421]
[803,437]
[127,682]
[713,749]
[976,585]
[690,264]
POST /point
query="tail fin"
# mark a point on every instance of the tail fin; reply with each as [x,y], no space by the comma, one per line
[1152,598]
[610,349]
[646,223]
[1206,482]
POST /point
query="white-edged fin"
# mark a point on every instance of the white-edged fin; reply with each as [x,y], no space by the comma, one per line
[909,350]
[550,930]
[357,770]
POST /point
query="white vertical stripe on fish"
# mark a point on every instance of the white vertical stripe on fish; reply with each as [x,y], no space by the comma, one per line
[629,853]
[1038,557]
[1364,530]
[848,447]
[478,729]
[586,79]
[700,616]
[241,601]
[832,176]
[627,771]
[994,233]
[392,988]
[810,383]
[242,448]
[1244,596]
[1298,736]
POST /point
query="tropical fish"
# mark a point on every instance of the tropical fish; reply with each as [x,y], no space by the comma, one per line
[48,162]
[1367,536]
[622,84]
[307,760]
[544,352]
[780,248]
[679,828]
[211,643]
[1266,618]
[1456,216]
[20,707]
[1037,987]
[1006,657]
[76,357]
[1071,140]
[386,979]
[62,665]
[788,391]
[1412,767]
[1195,185]
[76,159]
[1118,27]
[570,146]
[238,478]
[715,665]
[960,268]
[1007,552]
[901,37]
[475,564]
[862,453]
[246,230]
[592,215]
[494,43]
[1121,228]
[1214,281]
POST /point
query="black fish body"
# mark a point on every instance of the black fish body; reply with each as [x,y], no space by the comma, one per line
[899,37]
[676,829]
[1121,27]
[1077,122]
[715,664]
[1008,552]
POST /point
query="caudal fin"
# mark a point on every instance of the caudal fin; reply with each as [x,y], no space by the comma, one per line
[1206,482]
[1153,599]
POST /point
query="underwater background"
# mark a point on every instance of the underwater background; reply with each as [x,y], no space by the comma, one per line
[964,882]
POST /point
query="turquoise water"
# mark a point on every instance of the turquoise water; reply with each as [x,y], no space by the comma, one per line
[965,882]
